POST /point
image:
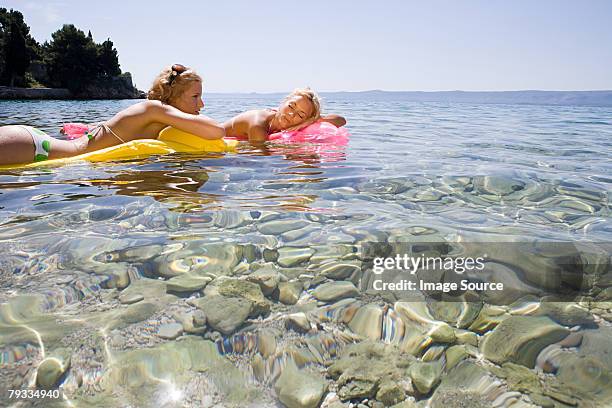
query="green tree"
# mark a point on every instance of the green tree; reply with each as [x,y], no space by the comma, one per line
[108,60]
[3,25]
[17,47]
[72,58]
[17,56]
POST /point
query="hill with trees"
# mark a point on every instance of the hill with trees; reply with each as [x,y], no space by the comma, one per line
[71,60]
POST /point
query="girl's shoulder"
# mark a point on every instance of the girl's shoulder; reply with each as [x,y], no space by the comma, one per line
[143,106]
[253,115]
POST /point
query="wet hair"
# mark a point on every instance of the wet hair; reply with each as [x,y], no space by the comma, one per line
[172,82]
[316,106]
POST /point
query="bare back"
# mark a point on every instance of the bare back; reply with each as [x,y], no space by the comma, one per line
[136,122]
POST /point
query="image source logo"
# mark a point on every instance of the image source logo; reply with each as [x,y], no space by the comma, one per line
[495,272]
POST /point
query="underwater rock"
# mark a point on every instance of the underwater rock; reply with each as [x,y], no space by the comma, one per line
[266,342]
[362,367]
[128,298]
[224,314]
[140,253]
[393,327]
[416,315]
[118,279]
[426,375]
[267,277]
[390,393]
[586,376]
[302,236]
[186,283]
[497,185]
[52,369]
[598,343]
[467,385]
[199,257]
[454,355]
[135,313]
[520,378]
[188,321]
[407,404]
[270,255]
[277,227]
[384,186]
[325,253]
[177,363]
[229,219]
[442,333]
[298,322]
[342,311]
[290,256]
[298,389]
[565,313]
[340,270]
[513,282]
[433,353]
[489,317]
[466,337]
[460,313]
[367,322]
[332,291]
[170,331]
[355,387]
[289,292]
[520,339]
[199,318]
[238,288]
[587,373]
[149,289]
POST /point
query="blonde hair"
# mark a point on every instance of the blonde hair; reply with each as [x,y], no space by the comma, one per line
[316,106]
[172,82]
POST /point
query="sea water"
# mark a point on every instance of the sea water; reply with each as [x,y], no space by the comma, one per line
[87,250]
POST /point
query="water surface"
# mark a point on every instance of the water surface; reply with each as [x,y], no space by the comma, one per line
[72,239]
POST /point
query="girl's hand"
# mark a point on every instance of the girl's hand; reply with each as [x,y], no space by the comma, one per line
[336,120]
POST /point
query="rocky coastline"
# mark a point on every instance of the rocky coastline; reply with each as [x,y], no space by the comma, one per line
[119,87]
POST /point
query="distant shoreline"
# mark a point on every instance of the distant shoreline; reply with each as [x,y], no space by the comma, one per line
[601,98]
[556,98]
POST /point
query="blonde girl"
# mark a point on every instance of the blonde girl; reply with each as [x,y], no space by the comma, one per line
[299,109]
[175,99]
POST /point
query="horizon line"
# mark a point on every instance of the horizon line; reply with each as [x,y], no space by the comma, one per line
[407,91]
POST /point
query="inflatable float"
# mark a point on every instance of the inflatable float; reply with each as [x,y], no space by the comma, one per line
[317,133]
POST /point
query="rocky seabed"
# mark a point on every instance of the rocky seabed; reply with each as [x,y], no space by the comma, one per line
[224,324]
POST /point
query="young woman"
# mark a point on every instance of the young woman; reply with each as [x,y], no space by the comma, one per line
[299,109]
[175,99]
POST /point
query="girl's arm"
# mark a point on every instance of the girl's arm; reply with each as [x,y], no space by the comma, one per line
[198,125]
[258,134]
[335,120]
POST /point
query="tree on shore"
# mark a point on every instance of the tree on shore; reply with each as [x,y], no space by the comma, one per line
[108,59]
[70,60]
[17,48]
[74,60]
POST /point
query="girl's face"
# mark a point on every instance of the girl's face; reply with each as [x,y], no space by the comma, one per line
[294,111]
[191,100]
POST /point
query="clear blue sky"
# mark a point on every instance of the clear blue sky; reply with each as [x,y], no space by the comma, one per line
[267,46]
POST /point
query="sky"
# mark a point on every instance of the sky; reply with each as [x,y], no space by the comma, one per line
[338,45]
